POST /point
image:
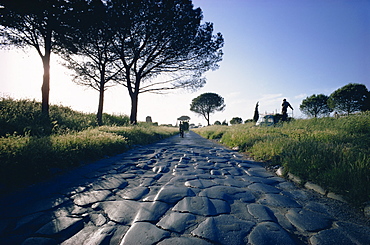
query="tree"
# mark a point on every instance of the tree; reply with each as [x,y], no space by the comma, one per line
[350,98]
[316,105]
[256,115]
[207,103]
[95,65]
[236,120]
[217,123]
[162,46]
[39,24]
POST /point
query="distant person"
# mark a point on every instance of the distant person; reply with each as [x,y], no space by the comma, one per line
[284,109]
[181,128]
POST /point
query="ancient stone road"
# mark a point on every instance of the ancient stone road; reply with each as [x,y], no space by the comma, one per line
[178,191]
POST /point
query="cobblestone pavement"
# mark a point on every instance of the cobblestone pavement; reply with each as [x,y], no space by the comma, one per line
[178,191]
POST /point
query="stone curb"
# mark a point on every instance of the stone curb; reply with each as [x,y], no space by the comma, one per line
[313,186]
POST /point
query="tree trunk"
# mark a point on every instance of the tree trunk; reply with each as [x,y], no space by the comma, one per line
[45,86]
[99,115]
[46,77]
[134,102]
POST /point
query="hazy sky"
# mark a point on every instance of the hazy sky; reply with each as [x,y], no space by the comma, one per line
[274,49]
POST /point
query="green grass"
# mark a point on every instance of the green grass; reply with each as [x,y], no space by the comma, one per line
[331,152]
[23,117]
[28,154]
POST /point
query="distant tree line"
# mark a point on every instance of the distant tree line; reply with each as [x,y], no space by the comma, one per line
[144,45]
[348,99]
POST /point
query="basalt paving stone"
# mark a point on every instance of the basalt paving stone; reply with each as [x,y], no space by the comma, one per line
[199,183]
[135,193]
[226,193]
[262,213]
[202,206]
[269,233]
[263,188]
[184,241]
[277,200]
[151,211]
[177,222]
[63,226]
[144,233]
[224,229]
[172,194]
[123,211]
[306,220]
[90,197]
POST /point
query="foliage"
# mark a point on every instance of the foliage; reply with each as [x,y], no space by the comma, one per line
[207,103]
[163,40]
[24,117]
[236,120]
[352,97]
[331,152]
[41,25]
[316,105]
[92,60]
[256,113]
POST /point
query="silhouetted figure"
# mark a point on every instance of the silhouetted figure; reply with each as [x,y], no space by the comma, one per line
[284,109]
[181,127]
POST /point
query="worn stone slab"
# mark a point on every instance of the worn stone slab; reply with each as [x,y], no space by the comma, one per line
[258,173]
[39,241]
[224,229]
[172,194]
[122,211]
[277,200]
[330,237]
[262,213]
[263,188]
[184,241]
[90,197]
[177,222]
[199,183]
[269,233]
[306,220]
[222,192]
[202,206]
[151,211]
[135,193]
[81,235]
[231,182]
[144,233]
[64,226]
[109,183]
[358,233]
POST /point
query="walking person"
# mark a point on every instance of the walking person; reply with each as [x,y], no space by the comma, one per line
[181,128]
[284,109]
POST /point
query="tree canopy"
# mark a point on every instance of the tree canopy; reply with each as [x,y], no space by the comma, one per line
[316,105]
[236,120]
[350,98]
[162,46]
[39,24]
[207,103]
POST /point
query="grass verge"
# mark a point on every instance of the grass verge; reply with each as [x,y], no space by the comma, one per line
[333,153]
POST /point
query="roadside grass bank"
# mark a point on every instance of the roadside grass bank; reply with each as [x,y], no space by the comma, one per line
[30,154]
[29,159]
[333,153]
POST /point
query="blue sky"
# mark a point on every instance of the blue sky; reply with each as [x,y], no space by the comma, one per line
[274,49]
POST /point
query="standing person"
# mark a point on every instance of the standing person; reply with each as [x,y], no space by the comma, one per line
[284,109]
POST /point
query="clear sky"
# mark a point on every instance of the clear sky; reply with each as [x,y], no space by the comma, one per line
[274,49]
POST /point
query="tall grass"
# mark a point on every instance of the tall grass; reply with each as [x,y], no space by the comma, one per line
[331,152]
[24,117]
